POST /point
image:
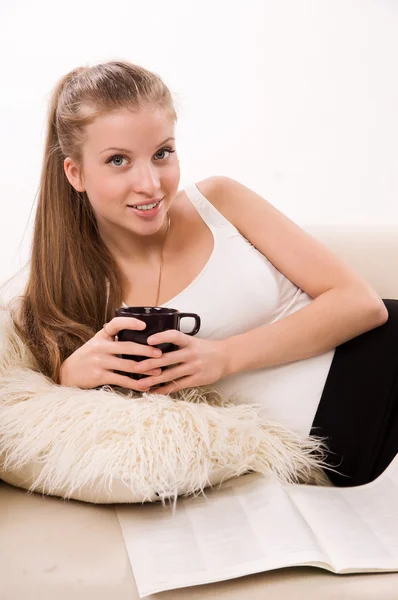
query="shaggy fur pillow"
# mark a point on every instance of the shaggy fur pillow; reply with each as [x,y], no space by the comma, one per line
[112,446]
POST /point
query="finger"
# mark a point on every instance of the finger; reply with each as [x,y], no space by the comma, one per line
[103,333]
[128,369]
[134,349]
[118,323]
[171,335]
[166,376]
[129,366]
[167,359]
[153,372]
[123,381]
[176,386]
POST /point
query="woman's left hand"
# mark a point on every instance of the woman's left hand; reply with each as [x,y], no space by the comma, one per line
[197,362]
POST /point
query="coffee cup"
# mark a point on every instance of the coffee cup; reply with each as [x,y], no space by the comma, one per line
[157,319]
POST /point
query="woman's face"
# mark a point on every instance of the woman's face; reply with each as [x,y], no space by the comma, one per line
[128,159]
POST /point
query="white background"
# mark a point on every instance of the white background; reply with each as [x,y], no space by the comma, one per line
[297,99]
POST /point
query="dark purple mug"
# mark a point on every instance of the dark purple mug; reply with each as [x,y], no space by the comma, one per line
[157,319]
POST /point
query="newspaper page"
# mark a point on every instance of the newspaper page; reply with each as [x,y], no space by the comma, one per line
[251,525]
[357,526]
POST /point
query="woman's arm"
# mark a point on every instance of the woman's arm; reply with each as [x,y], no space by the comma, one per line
[332,318]
[344,304]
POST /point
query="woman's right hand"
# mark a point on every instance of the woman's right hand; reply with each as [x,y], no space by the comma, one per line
[93,364]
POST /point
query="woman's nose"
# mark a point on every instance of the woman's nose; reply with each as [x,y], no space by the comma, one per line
[146,180]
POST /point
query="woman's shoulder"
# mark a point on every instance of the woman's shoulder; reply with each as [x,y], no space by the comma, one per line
[223,193]
[212,188]
[208,197]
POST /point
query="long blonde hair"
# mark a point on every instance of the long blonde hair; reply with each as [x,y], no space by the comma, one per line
[74,284]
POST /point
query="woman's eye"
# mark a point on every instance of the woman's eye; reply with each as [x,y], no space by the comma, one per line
[117,157]
[169,150]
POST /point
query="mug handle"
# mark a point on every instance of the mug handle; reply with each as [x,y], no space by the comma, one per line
[197,321]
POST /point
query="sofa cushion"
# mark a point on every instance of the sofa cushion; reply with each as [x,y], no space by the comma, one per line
[105,446]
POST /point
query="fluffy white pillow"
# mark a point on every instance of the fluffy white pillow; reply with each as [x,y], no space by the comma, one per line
[111,446]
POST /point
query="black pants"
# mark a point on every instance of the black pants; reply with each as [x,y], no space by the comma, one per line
[358,410]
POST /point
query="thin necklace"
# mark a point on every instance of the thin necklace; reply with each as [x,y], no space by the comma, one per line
[161,260]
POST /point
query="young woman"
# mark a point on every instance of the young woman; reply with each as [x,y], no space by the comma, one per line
[112,228]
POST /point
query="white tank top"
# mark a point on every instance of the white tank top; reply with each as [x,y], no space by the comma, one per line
[237,290]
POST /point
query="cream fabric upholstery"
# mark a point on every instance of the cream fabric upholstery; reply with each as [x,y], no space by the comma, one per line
[51,548]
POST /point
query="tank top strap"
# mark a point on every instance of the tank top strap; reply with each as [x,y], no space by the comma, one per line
[211,216]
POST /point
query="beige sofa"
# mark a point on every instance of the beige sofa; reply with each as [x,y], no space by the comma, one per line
[51,548]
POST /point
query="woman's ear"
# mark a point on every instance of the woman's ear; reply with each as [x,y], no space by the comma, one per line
[72,172]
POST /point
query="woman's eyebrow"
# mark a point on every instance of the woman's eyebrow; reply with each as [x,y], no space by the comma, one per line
[129,151]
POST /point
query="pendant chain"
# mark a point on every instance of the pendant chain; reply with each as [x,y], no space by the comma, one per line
[161,261]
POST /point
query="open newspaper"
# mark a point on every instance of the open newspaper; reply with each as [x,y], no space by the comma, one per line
[250,525]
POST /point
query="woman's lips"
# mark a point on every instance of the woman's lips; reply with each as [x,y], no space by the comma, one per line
[146,214]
